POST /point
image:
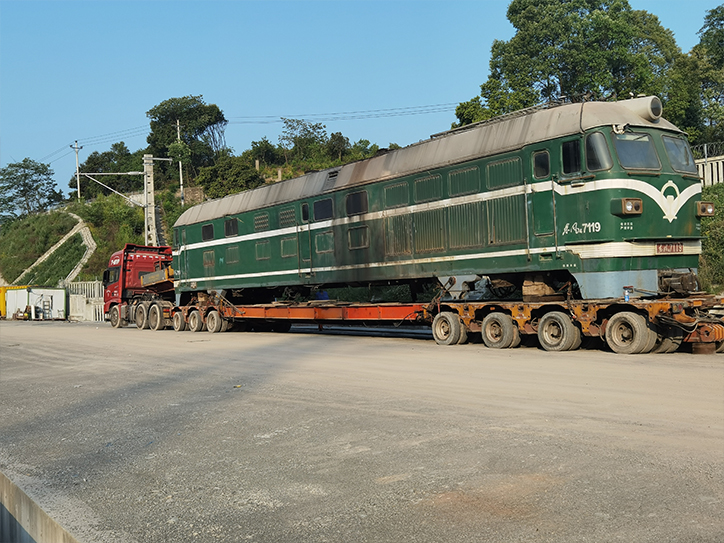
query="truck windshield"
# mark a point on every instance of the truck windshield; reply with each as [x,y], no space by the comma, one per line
[636,151]
[679,153]
[111,275]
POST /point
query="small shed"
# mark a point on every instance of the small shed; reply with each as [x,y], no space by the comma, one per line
[44,303]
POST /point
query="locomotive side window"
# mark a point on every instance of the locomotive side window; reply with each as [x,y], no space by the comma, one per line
[571,156]
[323,209]
[231,228]
[679,153]
[305,212]
[207,232]
[357,203]
[597,155]
[541,165]
[636,151]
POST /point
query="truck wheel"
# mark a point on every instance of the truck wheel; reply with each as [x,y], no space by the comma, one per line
[142,316]
[629,333]
[195,322]
[556,332]
[179,324]
[446,328]
[213,322]
[155,318]
[116,317]
[498,331]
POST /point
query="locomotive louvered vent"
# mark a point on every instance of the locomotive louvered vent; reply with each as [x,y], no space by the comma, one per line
[261,222]
[330,181]
[287,218]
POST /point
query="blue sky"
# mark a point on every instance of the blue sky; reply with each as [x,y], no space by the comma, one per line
[89,70]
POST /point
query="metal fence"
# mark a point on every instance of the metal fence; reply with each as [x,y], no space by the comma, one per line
[85,301]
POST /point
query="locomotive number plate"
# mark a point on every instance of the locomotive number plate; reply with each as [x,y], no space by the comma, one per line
[671,248]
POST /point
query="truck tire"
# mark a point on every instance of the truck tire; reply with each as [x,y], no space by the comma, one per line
[142,316]
[214,322]
[556,332]
[195,322]
[179,324]
[629,333]
[115,317]
[499,332]
[446,328]
[155,318]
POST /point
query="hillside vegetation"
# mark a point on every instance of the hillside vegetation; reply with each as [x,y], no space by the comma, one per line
[22,242]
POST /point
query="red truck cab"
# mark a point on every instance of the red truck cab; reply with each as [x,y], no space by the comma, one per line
[122,280]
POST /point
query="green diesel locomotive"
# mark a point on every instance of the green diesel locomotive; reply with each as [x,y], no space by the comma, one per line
[601,199]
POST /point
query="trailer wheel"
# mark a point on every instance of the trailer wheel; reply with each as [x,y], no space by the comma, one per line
[155,318]
[195,322]
[499,332]
[142,316]
[556,332]
[720,346]
[116,317]
[179,324]
[668,340]
[446,328]
[629,333]
[213,322]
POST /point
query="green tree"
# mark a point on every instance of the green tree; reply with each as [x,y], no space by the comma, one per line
[26,187]
[202,130]
[302,140]
[337,146]
[572,48]
[710,55]
[265,152]
[229,175]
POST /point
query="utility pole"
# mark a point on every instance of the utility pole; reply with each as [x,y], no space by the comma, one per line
[180,171]
[77,167]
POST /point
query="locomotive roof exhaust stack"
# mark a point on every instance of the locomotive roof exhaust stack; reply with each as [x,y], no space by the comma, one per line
[647,107]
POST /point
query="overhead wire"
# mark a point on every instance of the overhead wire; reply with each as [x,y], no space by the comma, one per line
[114,137]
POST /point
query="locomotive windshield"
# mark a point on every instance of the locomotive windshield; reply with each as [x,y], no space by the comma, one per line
[636,151]
[679,153]
[597,155]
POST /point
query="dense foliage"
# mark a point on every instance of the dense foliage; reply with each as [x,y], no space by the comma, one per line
[58,265]
[23,241]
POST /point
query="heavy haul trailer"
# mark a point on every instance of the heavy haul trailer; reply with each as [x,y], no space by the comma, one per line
[144,277]
[589,209]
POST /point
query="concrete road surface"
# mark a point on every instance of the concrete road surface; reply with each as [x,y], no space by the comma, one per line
[140,436]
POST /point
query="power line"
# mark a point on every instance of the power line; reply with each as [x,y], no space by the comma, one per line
[348,115]
[114,137]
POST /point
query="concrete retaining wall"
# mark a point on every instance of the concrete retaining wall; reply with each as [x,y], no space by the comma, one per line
[22,521]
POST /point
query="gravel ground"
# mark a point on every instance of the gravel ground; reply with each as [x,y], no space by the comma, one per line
[139,436]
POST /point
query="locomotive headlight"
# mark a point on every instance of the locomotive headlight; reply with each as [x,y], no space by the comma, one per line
[627,206]
[704,209]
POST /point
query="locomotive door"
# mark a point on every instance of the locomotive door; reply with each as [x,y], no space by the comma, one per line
[542,198]
[304,242]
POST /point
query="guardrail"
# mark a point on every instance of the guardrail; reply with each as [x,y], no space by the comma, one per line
[711,170]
